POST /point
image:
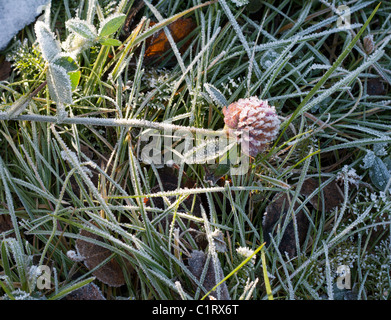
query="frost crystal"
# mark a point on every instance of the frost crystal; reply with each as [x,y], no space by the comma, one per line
[380,149]
[268,58]
[71,254]
[170,163]
[350,175]
[369,159]
[71,157]
[240,3]
[253,122]
[245,252]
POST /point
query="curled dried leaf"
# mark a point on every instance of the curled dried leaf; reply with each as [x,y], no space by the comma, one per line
[158,45]
[369,44]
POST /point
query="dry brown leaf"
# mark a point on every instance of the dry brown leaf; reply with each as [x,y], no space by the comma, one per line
[129,22]
[332,194]
[87,292]
[369,44]
[6,224]
[274,219]
[111,273]
[5,70]
[375,87]
[157,44]
[196,265]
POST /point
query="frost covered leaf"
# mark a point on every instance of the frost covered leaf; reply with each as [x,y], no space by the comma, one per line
[379,174]
[197,263]
[111,24]
[50,47]
[269,57]
[368,160]
[75,43]
[380,149]
[387,162]
[218,239]
[216,95]
[66,62]
[59,84]
[82,28]
[88,292]
[111,272]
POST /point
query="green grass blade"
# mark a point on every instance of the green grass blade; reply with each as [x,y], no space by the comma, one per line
[325,77]
[265,276]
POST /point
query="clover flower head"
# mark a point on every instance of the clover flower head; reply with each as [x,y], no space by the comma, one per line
[253,122]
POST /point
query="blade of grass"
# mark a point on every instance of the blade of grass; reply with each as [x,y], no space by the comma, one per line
[235,270]
[265,276]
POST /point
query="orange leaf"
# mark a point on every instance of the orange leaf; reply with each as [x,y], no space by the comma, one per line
[158,44]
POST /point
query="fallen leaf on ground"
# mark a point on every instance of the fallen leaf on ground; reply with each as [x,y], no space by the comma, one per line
[88,292]
[375,87]
[110,273]
[157,44]
[332,194]
[197,264]
[274,218]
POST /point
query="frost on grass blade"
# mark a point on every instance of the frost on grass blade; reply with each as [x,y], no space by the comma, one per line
[50,47]
[240,3]
[216,95]
[18,107]
[59,84]
[111,24]
[82,28]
